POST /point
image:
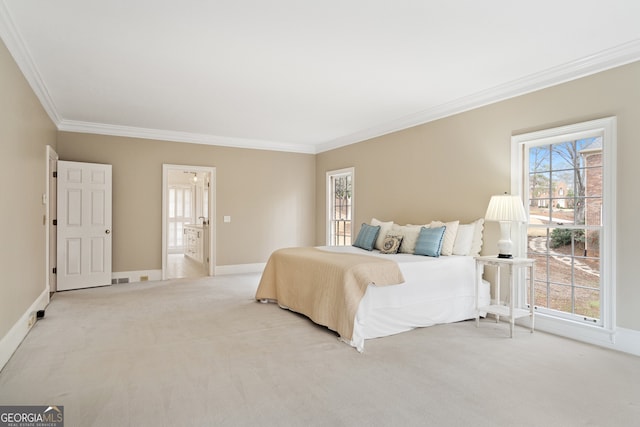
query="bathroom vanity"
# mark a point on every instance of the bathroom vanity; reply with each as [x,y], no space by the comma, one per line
[194,242]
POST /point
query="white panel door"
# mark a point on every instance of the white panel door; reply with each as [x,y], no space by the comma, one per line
[84,225]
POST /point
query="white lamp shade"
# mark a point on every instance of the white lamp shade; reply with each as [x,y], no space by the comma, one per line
[506,208]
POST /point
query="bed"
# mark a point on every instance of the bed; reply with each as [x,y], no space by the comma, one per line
[429,290]
[436,291]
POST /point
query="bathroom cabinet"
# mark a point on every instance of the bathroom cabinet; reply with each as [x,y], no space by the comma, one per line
[194,242]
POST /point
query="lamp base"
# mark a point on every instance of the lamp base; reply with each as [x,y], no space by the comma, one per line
[508,256]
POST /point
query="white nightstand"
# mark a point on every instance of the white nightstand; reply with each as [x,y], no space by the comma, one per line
[510,311]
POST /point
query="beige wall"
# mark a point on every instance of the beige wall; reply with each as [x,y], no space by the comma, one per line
[449,168]
[25,131]
[445,169]
[269,196]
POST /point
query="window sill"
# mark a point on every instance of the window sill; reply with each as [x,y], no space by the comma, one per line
[591,334]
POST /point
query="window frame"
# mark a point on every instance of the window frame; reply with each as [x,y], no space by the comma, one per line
[605,127]
[179,219]
[330,199]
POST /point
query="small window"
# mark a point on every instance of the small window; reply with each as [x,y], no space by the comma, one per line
[340,185]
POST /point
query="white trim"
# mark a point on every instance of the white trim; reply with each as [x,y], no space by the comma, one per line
[570,329]
[573,131]
[212,212]
[601,61]
[11,341]
[620,339]
[50,155]
[240,268]
[610,58]
[607,127]
[20,53]
[328,202]
[627,340]
[176,136]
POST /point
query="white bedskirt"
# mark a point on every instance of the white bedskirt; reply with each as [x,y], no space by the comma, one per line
[436,290]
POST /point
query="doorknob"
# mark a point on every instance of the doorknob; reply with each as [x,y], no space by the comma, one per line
[107,231]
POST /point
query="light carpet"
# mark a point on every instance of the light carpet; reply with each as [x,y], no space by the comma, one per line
[204,353]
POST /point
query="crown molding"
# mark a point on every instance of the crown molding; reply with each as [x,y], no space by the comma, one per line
[602,61]
[176,136]
[21,55]
[607,59]
[18,49]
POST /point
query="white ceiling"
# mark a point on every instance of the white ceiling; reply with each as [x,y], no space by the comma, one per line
[298,75]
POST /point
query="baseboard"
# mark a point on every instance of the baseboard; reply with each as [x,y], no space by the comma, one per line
[10,342]
[135,276]
[240,268]
[621,339]
[628,340]
[121,277]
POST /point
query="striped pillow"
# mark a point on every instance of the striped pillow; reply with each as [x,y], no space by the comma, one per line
[430,241]
[367,236]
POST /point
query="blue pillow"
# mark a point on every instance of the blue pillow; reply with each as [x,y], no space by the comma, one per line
[367,236]
[429,241]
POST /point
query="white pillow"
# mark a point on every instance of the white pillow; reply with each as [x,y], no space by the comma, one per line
[384,229]
[464,239]
[409,237]
[449,235]
[476,246]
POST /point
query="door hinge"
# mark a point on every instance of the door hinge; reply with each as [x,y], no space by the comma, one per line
[55,174]
[55,270]
[55,222]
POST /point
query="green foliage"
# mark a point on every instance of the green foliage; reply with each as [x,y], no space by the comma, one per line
[562,237]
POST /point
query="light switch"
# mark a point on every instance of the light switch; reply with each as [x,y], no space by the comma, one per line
[227,218]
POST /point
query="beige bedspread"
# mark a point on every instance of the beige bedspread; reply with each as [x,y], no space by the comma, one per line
[326,287]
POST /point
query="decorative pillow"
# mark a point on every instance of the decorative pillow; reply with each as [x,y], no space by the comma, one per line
[449,235]
[409,237]
[430,241]
[476,246]
[464,239]
[367,236]
[385,227]
[469,238]
[391,244]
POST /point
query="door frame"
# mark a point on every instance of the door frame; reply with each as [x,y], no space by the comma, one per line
[49,215]
[212,212]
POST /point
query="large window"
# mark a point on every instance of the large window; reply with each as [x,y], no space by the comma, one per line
[568,185]
[340,186]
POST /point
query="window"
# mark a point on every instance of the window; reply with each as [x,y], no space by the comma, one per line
[568,186]
[180,213]
[340,207]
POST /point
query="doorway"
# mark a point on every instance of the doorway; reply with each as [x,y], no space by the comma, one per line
[188,221]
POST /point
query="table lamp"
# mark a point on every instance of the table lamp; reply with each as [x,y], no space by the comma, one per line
[505,209]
